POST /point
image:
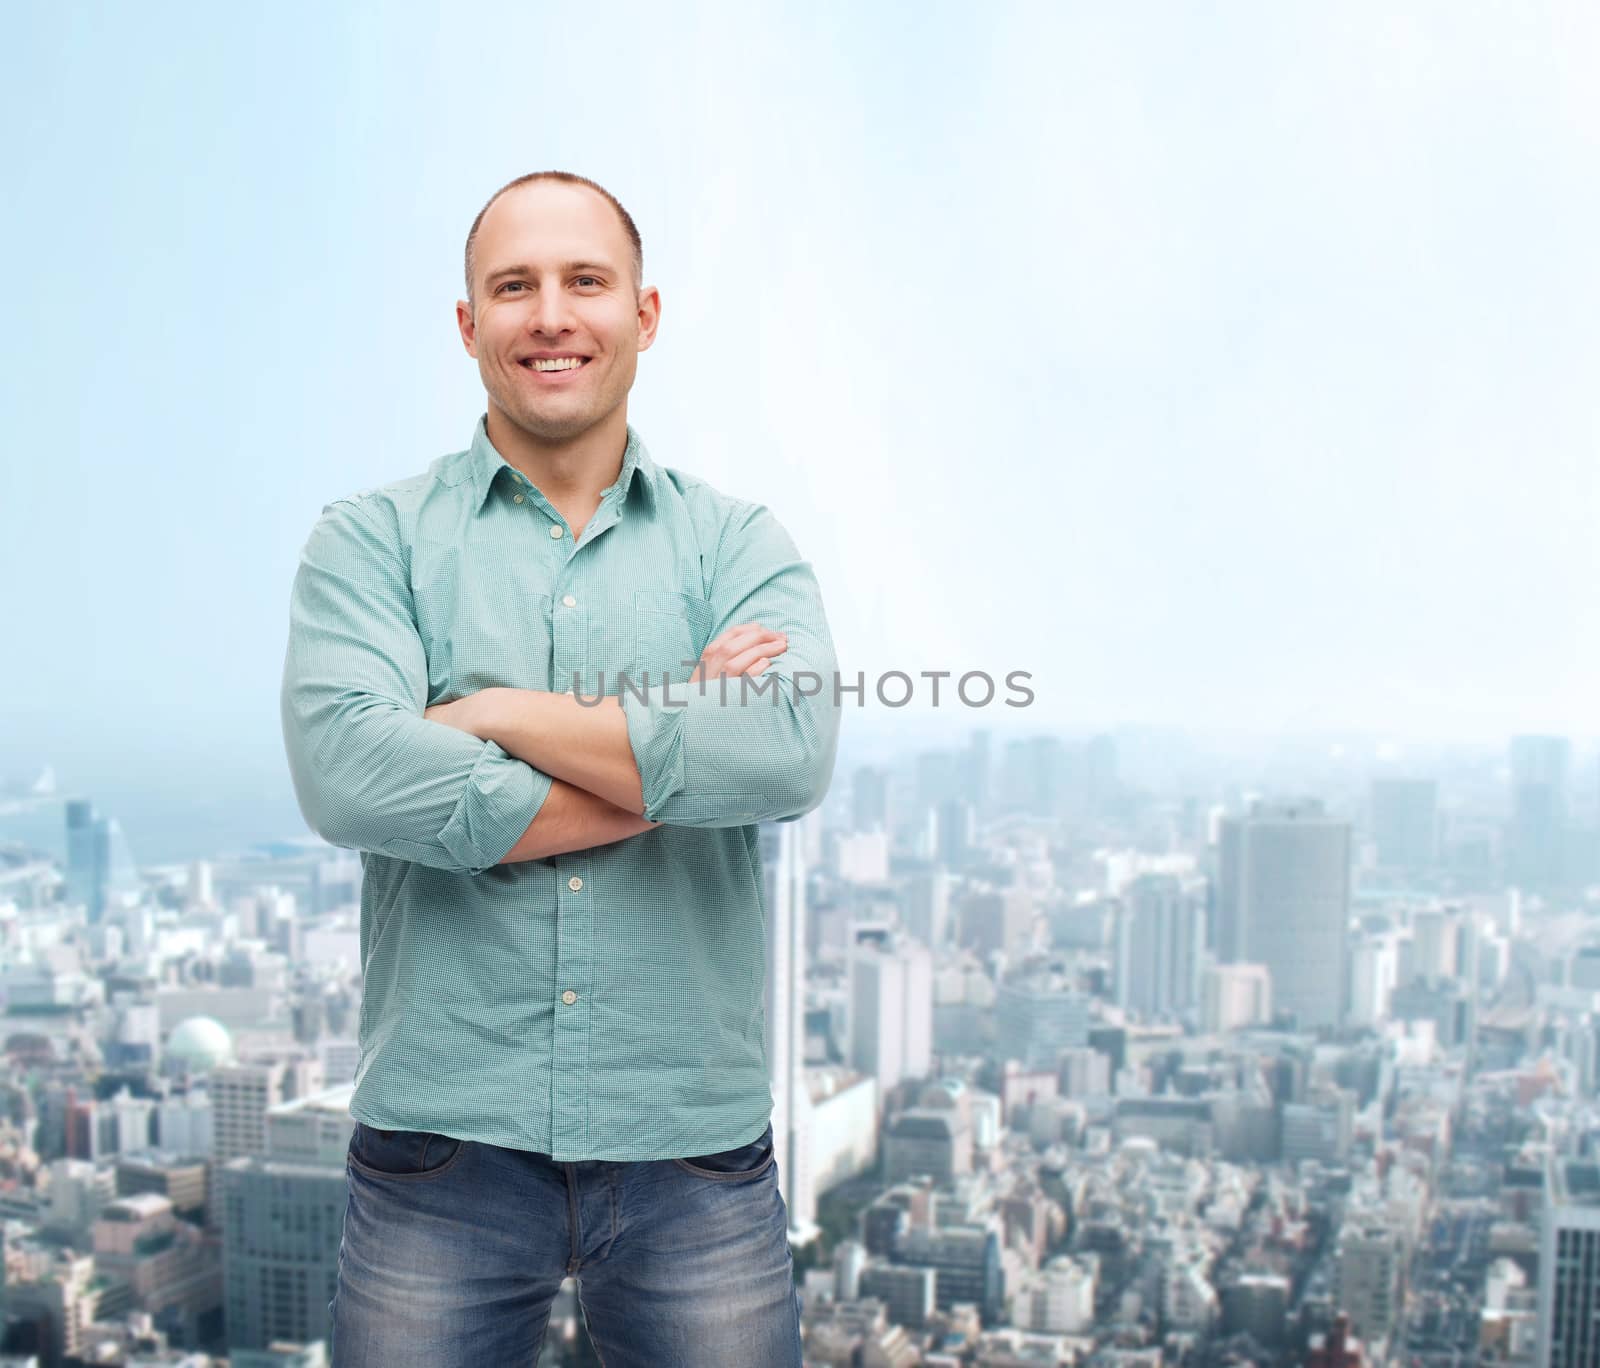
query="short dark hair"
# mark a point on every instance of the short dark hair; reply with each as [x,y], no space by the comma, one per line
[571,179]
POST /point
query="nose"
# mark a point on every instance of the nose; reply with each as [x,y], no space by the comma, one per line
[551,314]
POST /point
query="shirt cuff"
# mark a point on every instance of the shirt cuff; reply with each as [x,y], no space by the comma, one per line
[655,732]
[502,796]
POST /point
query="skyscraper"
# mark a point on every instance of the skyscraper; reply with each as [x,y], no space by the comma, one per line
[1569,1265]
[869,796]
[1160,940]
[783,864]
[1405,815]
[1283,900]
[1538,826]
[100,867]
[891,1008]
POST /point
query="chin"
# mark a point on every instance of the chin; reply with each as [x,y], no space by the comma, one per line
[551,427]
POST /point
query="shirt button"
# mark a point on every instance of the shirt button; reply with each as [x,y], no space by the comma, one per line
[569,997]
[516,498]
[569,601]
[555,533]
[574,883]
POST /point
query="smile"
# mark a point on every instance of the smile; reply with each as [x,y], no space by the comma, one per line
[556,368]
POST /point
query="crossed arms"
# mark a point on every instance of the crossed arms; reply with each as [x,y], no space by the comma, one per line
[506,775]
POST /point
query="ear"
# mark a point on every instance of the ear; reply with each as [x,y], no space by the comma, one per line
[649,315]
[468,327]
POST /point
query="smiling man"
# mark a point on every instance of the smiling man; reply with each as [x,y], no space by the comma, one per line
[499,688]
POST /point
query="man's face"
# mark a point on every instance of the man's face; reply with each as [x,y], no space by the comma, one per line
[553,275]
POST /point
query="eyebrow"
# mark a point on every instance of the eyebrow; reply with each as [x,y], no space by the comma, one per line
[506,272]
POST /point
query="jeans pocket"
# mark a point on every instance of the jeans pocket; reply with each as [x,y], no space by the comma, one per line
[402,1154]
[743,1161]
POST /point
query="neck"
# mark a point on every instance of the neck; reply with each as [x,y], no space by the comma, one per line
[577,468]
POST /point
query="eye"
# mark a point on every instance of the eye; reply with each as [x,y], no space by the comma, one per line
[508,285]
[596,279]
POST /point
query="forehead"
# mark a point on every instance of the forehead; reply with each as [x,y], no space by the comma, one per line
[550,222]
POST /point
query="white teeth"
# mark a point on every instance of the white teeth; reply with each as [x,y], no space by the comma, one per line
[559,363]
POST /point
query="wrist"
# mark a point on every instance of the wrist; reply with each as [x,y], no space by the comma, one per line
[492,715]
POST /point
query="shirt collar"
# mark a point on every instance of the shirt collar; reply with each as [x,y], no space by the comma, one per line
[480,464]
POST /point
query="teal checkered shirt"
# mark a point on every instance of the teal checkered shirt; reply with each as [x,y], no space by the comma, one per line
[465,577]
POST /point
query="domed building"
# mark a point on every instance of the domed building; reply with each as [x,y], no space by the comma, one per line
[197,1045]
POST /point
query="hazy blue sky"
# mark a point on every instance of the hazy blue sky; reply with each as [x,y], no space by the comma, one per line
[1221,370]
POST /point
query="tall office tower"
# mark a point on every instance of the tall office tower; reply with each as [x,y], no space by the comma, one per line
[1405,822]
[783,867]
[1036,1018]
[1538,828]
[1369,1279]
[1159,943]
[1226,932]
[926,909]
[100,866]
[241,1095]
[1284,900]
[958,832]
[996,919]
[891,1007]
[869,797]
[284,1214]
[975,761]
[1435,935]
[1569,1265]
[1374,971]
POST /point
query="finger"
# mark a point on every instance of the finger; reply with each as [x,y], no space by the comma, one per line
[718,653]
[730,661]
[745,634]
[741,663]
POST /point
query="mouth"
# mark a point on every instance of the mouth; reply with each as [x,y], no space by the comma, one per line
[559,371]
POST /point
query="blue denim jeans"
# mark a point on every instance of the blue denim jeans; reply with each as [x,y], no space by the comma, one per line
[453,1251]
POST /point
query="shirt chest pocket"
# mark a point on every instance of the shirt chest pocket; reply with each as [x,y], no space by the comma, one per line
[669,628]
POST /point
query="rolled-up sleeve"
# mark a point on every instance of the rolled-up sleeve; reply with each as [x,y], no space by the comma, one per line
[369,771]
[745,749]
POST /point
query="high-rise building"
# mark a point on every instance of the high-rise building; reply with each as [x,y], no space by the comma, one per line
[1233,996]
[1284,901]
[1405,819]
[1569,1265]
[100,867]
[1037,1018]
[1374,971]
[1435,937]
[975,763]
[284,1214]
[891,1007]
[869,794]
[243,1093]
[958,832]
[783,865]
[926,907]
[1369,1279]
[1159,945]
[995,919]
[1538,828]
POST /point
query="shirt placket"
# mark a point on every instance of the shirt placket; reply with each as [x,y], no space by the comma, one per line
[575,930]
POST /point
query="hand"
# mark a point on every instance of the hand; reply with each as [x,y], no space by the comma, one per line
[472,714]
[743,650]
